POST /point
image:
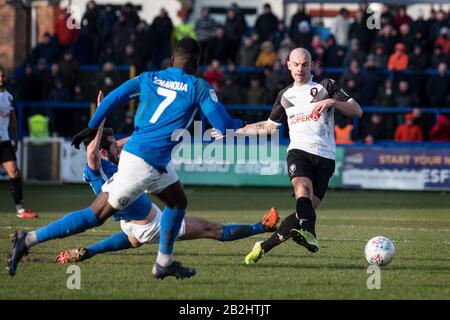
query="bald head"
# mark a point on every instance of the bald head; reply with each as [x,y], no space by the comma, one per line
[300,54]
[299,64]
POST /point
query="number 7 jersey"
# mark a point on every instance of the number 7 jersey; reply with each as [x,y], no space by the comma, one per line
[169,100]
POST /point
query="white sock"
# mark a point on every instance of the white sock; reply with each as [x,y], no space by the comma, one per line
[163,259]
[31,239]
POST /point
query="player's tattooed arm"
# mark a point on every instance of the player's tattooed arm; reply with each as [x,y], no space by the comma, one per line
[92,150]
[262,127]
[252,129]
[350,107]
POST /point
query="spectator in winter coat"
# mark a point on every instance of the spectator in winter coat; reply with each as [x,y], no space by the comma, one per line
[398,61]
[408,132]
[441,130]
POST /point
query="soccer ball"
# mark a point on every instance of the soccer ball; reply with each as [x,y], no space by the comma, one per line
[379,250]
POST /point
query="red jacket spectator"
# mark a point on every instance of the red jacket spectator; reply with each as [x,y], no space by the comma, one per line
[441,130]
[401,17]
[398,61]
[444,40]
[409,132]
[214,72]
[67,33]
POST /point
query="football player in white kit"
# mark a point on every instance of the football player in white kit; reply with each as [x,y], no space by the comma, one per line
[308,108]
[8,149]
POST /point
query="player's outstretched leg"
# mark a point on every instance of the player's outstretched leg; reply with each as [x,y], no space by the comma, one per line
[271,219]
[306,234]
[117,242]
[72,223]
[199,228]
[72,255]
[282,234]
[196,228]
[268,223]
[19,250]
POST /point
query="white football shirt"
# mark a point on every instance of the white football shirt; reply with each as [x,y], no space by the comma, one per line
[311,133]
[6,107]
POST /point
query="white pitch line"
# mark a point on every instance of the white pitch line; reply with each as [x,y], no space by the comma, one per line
[365,240]
[381,218]
[261,236]
[384,227]
[30,228]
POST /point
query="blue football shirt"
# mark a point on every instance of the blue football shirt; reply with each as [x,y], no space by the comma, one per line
[138,210]
[169,100]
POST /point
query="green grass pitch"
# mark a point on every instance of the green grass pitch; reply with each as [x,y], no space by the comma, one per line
[417,222]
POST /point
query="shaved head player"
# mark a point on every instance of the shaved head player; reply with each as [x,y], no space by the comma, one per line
[308,108]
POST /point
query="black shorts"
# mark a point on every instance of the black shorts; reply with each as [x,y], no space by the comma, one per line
[318,169]
[7,152]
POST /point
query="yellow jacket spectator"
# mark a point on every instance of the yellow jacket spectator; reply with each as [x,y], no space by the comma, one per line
[38,126]
[185,29]
[267,57]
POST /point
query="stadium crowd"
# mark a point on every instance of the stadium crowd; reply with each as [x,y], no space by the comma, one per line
[373,61]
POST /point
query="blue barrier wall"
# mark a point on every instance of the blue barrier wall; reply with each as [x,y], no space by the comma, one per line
[22,105]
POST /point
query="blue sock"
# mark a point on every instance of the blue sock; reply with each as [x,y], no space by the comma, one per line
[72,223]
[233,232]
[117,242]
[170,226]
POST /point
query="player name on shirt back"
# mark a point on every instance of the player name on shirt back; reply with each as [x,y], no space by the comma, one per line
[174,85]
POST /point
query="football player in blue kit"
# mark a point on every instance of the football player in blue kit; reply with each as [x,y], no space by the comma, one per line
[169,100]
[140,221]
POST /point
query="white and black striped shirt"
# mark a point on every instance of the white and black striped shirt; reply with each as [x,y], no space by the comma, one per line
[311,133]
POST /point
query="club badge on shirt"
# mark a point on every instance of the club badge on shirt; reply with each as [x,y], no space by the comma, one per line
[213,95]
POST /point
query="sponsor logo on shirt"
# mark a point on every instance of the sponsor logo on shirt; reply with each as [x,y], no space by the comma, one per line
[304,118]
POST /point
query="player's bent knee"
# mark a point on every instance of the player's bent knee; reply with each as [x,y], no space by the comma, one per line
[13,173]
[180,199]
[134,242]
[212,230]
[303,190]
[207,227]
[180,202]
[173,196]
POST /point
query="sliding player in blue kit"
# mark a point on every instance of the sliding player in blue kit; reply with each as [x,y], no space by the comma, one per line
[140,221]
[169,100]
